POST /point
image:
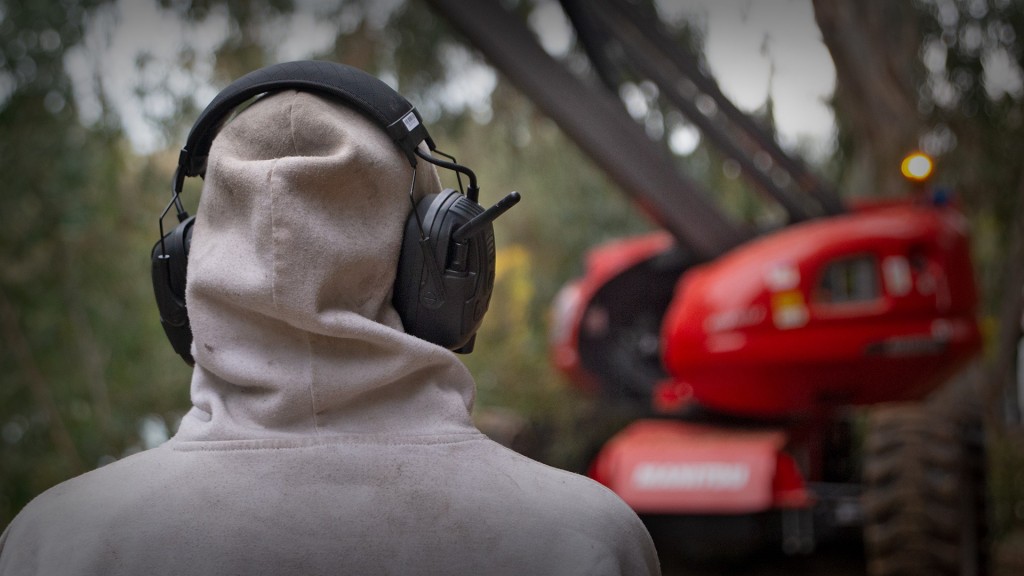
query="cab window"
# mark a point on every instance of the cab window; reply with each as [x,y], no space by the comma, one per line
[849,280]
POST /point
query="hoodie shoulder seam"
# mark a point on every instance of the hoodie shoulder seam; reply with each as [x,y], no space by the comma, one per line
[318,442]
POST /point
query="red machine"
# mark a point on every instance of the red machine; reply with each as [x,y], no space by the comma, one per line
[755,362]
[765,351]
[874,306]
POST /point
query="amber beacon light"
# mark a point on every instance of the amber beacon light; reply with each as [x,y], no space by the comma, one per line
[917,167]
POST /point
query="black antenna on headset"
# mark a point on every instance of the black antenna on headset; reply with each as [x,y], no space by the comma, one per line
[477,224]
[473,193]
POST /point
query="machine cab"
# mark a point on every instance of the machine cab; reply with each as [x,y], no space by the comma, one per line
[872,306]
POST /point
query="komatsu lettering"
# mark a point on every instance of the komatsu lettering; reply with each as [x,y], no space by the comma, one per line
[691,476]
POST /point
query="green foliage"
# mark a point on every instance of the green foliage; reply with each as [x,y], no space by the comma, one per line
[1007,483]
[74,306]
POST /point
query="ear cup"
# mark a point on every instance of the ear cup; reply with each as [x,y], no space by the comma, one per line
[170,265]
[443,287]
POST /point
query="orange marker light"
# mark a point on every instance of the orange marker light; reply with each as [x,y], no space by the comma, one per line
[917,167]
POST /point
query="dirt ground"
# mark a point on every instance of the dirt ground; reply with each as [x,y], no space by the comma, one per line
[1007,560]
[830,561]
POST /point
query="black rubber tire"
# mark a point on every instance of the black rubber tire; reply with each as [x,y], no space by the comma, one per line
[924,494]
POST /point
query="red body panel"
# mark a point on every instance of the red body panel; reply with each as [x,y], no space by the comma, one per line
[874,306]
[671,467]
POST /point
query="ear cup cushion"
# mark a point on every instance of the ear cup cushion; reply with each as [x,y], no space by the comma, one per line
[443,288]
[169,271]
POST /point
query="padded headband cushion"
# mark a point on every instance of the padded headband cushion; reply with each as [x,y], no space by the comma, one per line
[359,90]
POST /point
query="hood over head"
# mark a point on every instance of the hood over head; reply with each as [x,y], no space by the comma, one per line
[290,278]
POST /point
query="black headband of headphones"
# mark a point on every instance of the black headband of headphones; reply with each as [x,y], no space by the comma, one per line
[364,92]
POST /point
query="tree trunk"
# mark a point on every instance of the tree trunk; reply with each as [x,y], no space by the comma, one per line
[1001,367]
[874,45]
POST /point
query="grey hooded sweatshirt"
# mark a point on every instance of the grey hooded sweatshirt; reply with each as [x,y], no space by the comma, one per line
[322,439]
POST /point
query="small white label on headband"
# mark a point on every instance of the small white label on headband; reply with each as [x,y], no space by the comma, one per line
[410,121]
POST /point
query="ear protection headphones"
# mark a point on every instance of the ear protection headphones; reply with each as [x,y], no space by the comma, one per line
[445,271]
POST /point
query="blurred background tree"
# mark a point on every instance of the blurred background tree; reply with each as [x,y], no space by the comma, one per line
[69,300]
[87,374]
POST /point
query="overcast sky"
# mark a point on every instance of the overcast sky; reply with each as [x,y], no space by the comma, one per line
[754,47]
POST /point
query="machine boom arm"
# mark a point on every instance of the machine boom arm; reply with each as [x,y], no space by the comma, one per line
[599,125]
[618,32]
